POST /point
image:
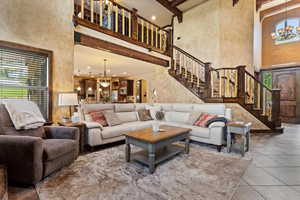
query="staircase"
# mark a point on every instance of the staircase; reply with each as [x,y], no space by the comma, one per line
[227,85]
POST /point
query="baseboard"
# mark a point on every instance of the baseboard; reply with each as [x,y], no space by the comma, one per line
[268,131]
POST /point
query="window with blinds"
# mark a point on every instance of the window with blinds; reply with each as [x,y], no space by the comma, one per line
[24,75]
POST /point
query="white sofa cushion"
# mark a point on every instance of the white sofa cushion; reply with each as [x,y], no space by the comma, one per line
[183,107]
[180,117]
[127,116]
[165,106]
[124,107]
[115,131]
[140,106]
[91,107]
[140,125]
[217,109]
[196,130]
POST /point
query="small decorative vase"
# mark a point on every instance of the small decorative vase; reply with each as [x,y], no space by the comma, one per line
[155,127]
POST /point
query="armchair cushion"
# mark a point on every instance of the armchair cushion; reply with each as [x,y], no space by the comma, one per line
[54,148]
[60,132]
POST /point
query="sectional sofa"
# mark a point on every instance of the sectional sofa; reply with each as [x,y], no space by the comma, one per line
[175,115]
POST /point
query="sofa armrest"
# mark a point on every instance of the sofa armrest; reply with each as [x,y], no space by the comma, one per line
[217,134]
[60,132]
[23,156]
[216,124]
[93,125]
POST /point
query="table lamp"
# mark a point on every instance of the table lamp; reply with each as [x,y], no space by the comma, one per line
[67,99]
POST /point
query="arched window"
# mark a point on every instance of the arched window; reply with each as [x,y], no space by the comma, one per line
[294,24]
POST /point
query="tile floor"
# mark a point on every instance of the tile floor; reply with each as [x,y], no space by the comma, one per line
[275,171]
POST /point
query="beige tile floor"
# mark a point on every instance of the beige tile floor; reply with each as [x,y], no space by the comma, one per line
[275,171]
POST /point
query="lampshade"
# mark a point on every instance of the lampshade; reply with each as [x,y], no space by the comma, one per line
[67,99]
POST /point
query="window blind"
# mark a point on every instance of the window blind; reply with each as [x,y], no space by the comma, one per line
[24,75]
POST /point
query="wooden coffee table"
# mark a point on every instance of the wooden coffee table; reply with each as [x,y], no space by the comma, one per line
[158,147]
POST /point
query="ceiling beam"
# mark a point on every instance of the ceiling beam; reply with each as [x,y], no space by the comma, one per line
[175,3]
[174,10]
[96,43]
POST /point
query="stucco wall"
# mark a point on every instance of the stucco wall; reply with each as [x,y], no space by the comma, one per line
[199,33]
[168,89]
[47,25]
[218,33]
[236,34]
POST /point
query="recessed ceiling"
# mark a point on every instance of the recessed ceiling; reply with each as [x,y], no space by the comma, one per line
[88,60]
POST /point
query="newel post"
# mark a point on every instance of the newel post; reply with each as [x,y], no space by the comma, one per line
[276,107]
[134,24]
[207,74]
[241,71]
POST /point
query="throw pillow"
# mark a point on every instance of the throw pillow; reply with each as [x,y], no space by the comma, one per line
[153,110]
[144,115]
[98,116]
[112,118]
[160,115]
[203,119]
[193,117]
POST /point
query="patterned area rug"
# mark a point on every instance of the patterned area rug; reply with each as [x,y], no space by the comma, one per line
[204,174]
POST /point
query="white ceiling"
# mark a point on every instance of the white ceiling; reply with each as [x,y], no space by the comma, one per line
[85,58]
[149,8]
[189,4]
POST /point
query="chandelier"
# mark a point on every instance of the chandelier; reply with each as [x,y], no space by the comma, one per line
[104,82]
[287,32]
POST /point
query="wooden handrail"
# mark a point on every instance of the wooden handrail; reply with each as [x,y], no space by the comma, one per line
[258,81]
[125,28]
[189,55]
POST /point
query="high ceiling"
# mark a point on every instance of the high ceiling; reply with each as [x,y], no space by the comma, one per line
[162,13]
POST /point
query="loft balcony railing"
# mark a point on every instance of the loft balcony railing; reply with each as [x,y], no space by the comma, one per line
[113,19]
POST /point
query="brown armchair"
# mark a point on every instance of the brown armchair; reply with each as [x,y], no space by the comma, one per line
[31,155]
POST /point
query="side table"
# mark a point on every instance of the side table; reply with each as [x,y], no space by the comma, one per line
[81,127]
[3,183]
[239,128]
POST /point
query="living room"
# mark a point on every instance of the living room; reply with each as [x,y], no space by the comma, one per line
[132,99]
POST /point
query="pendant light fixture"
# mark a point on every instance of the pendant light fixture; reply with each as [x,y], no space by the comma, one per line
[104,83]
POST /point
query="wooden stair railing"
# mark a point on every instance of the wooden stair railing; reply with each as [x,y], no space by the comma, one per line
[113,19]
[227,85]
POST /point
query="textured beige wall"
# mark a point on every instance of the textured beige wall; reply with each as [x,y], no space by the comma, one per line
[47,25]
[218,33]
[200,32]
[236,33]
[240,114]
[168,89]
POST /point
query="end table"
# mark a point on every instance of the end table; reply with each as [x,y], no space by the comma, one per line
[239,128]
[3,183]
[81,127]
